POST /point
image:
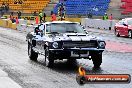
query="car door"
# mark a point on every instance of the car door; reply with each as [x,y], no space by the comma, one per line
[38,42]
[125,28]
[120,28]
[39,38]
[43,41]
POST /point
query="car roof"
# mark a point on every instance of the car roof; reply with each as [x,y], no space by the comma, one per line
[59,22]
[128,18]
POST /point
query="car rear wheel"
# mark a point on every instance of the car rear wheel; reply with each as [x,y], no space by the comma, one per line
[117,33]
[97,59]
[130,34]
[32,54]
[49,61]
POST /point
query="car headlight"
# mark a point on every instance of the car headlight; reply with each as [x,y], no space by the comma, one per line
[102,44]
[55,45]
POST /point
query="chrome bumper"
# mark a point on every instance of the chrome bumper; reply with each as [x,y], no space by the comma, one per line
[78,49]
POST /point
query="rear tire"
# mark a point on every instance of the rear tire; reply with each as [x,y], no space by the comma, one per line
[97,59]
[32,54]
[130,33]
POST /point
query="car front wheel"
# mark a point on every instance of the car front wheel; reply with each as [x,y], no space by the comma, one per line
[117,33]
[130,34]
[32,54]
[97,59]
[49,62]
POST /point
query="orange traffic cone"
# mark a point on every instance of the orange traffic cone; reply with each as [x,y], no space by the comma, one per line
[37,20]
[17,22]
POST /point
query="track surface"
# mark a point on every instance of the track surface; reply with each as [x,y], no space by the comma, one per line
[117,59]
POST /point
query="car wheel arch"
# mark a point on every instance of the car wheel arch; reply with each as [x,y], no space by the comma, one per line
[117,34]
[129,30]
[116,30]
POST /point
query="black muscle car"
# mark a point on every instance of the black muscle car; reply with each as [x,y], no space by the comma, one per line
[64,40]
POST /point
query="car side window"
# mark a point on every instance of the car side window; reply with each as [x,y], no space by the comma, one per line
[44,29]
[48,28]
[129,22]
[121,22]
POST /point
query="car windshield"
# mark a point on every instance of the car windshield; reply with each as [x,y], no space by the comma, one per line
[129,22]
[64,28]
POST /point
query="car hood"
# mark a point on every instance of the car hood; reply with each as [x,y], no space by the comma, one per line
[129,26]
[73,37]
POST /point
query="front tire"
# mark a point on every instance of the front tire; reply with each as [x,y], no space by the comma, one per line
[32,54]
[117,33]
[71,60]
[97,59]
[130,34]
[49,61]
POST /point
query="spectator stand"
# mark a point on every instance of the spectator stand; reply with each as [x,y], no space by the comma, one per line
[126,6]
[85,7]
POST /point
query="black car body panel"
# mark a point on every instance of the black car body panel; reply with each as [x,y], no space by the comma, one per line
[65,45]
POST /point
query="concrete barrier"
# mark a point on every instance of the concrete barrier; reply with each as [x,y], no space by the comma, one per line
[7,23]
[22,21]
[25,28]
[30,28]
[1,22]
[14,26]
[98,23]
[23,25]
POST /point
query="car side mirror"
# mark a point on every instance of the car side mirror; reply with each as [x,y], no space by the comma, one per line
[36,30]
[86,31]
[41,33]
[125,24]
[83,27]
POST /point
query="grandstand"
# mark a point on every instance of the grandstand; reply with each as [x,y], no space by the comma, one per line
[97,8]
[116,9]
[127,6]
[26,6]
[76,8]
[83,7]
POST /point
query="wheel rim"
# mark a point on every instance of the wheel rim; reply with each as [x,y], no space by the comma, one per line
[129,34]
[46,61]
[117,33]
[46,58]
[29,51]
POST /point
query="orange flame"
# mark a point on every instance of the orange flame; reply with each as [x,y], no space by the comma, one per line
[82,71]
